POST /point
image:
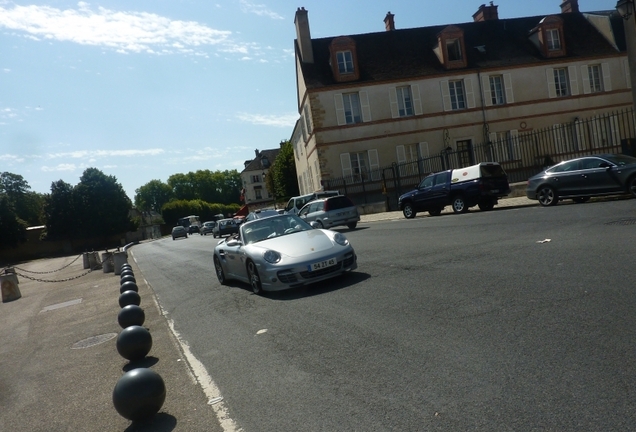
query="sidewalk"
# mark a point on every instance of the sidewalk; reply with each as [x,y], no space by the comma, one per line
[58,357]
[59,362]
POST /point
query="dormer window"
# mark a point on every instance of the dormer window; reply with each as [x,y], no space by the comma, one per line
[454,49]
[345,62]
[553,39]
[450,49]
[344,59]
[548,37]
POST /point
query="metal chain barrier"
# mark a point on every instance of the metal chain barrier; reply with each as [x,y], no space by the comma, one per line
[51,271]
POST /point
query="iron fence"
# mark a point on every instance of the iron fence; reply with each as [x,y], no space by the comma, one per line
[521,154]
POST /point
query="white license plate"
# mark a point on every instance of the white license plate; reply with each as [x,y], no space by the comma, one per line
[323,264]
[494,191]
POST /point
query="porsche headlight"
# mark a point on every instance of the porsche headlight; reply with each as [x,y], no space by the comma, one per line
[271,256]
[340,239]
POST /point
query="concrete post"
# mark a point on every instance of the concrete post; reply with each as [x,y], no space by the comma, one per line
[9,286]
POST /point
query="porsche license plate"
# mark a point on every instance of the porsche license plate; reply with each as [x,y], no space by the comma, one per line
[322,264]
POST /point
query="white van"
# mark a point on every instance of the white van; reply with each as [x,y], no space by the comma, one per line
[296,203]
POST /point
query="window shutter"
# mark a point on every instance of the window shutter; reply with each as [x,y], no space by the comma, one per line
[417,100]
[470,95]
[364,104]
[510,97]
[424,150]
[574,84]
[374,164]
[445,95]
[345,161]
[485,84]
[340,114]
[401,154]
[607,82]
[549,72]
[585,77]
[393,102]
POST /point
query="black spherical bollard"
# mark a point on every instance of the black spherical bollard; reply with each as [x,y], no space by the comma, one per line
[126,272]
[131,315]
[126,278]
[125,266]
[128,286]
[134,342]
[129,297]
[139,394]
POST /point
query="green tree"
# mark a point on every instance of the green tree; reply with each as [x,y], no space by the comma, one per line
[101,205]
[281,178]
[27,205]
[59,212]
[153,196]
[221,187]
[13,229]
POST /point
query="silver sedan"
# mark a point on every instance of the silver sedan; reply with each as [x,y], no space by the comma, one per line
[282,252]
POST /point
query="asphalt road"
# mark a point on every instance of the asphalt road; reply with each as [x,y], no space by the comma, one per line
[515,319]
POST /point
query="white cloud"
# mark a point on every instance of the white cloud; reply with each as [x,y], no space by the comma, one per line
[60,167]
[259,9]
[122,31]
[94,154]
[288,120]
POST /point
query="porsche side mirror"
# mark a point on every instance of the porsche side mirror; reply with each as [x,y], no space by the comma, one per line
[314,224]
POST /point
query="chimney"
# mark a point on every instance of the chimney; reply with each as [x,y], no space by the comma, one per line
[257,152]
[570,6]
[486,13]
[303,37]
[389,23]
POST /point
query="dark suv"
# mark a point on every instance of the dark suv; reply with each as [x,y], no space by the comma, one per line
[331,212]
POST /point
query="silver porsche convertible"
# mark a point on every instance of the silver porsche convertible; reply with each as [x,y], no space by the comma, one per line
[281,252]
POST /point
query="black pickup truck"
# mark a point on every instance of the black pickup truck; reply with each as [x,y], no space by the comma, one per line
[482,184]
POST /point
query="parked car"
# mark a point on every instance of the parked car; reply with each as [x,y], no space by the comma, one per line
[194,229]
[207,227]
[259,214]
[281,252]
[296,203]
[179,231]
[584,177]
[481,184]
[330,212]
[225,227]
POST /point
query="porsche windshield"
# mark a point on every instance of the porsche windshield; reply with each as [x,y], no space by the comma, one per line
[275,226]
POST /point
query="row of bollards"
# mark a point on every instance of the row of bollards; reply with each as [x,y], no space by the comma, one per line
[140,393]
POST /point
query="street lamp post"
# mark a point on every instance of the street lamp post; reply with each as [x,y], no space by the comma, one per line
[625,9]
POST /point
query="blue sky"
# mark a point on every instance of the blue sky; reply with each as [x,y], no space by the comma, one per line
[143,89]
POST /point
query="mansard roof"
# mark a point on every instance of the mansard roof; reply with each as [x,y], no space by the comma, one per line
[504,43]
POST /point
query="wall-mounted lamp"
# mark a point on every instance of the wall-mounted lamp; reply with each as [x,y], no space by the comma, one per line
[625,8]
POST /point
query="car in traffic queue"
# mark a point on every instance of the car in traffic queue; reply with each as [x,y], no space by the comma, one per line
[194,229]
[260,214]
[331,212]
[179,231]
[225,227]
[581,178]
[207,227]
[281,252]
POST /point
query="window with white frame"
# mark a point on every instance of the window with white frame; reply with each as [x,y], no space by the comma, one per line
[352,112]
[505,145]
[595,75]
[457,96]
[345,62]
[405,101]
[308,119]
[256,178]
[360,166]
[553,39]
[258,194]
[497,94]
[561,82]
[409,158]
[454,49]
